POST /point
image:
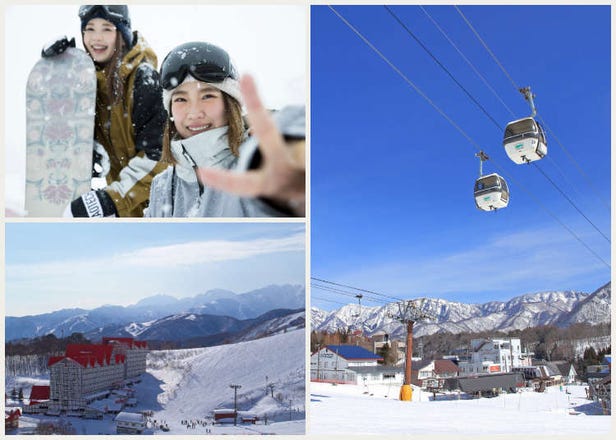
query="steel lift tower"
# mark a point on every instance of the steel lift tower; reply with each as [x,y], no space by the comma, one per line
[409,313]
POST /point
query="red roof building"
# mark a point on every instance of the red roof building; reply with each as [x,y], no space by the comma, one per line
[39,394]
[11,418]
[87,369]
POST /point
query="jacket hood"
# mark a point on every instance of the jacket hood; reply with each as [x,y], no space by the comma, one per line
[141,52]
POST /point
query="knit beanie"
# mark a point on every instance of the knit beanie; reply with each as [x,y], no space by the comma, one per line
[116,14]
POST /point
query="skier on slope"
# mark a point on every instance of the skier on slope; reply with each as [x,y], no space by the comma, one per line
[129,112]
[205,135]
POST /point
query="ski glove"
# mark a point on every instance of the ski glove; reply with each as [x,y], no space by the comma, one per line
[100,161]
[92,204]
[57,46]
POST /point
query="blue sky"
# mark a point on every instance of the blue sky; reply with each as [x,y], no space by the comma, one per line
[50,266]
[392,180]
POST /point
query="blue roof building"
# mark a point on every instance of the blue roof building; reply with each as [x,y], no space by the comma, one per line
[351,364]
[354,353]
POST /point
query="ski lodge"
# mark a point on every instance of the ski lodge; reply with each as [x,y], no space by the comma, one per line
[88,372]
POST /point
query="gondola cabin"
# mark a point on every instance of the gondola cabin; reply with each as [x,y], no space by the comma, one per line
[525,141]
[491,192]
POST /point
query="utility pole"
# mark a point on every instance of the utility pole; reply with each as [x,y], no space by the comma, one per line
[408,314]
[235,388]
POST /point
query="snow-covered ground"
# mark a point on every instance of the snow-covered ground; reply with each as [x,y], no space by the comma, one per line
[182,385]
[351,409]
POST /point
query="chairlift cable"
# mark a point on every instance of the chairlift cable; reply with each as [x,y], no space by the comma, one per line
[357,288]
[326,300]
[346,293]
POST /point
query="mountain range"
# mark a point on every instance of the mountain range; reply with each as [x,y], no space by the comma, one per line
[162,316]
[561,308]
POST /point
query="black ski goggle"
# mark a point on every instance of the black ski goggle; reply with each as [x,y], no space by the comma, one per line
[202,63]
[119,12]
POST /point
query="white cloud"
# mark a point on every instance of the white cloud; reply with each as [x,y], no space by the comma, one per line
[515,263]
[210,251]
[185,254]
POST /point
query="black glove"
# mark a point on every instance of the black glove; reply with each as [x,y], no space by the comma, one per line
[92,204]
[100,161]
[57,46]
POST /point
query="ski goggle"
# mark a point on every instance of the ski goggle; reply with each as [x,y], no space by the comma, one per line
[118,12]
[204,62]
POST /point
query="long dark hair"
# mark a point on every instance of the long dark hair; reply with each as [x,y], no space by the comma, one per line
[111,70]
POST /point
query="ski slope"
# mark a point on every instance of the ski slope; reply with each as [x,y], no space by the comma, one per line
[190,384]
[182,385]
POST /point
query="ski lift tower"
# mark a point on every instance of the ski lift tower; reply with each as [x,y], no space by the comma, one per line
[409,313]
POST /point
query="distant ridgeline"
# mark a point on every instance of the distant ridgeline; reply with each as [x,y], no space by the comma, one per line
[559,309]
[147,319]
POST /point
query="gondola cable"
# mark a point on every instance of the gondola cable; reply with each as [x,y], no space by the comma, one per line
[471,65]
[528,95]
[569,156]
[456,126]
[436,60]
[577,165]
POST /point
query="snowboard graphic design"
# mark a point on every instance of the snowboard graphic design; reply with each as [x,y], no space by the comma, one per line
[60,107]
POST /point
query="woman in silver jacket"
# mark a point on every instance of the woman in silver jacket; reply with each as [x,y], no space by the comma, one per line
[205,134]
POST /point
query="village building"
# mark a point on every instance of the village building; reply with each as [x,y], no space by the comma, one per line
[11,418]
[489,356]
[432,374]
[39,399]
[130,423]
[351,364]
[88,371]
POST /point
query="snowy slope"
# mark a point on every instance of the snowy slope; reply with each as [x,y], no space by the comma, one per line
[194,382]
[189,384]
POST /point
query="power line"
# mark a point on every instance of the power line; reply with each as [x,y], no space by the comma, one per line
[456,126]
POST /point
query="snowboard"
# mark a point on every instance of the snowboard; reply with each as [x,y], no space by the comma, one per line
[60,109]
